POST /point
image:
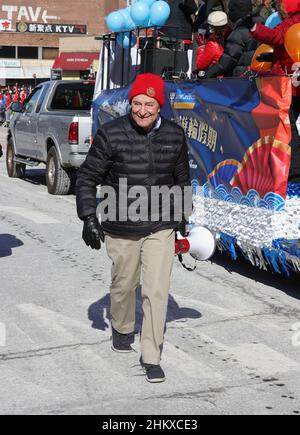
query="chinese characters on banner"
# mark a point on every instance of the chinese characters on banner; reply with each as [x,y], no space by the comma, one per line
[64,29]
[199,131]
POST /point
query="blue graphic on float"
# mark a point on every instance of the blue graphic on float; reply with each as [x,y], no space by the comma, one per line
[217,121]
[109,105]
[271,201]
[225,170]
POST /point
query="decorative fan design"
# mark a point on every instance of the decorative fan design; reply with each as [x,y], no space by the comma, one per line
[223,172]
[265,168]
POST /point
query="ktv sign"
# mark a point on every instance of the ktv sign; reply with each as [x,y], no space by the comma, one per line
[32,14]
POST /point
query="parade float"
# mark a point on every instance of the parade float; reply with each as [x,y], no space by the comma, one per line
[239,134]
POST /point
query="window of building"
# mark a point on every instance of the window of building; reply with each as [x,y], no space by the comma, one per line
[28,52]
[50,53]
[7,52]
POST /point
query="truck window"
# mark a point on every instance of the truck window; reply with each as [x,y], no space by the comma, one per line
[30,103]
[43,94]
[73,96]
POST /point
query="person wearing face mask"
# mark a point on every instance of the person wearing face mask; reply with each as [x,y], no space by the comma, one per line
[220,30]
[148,151]
[289,11]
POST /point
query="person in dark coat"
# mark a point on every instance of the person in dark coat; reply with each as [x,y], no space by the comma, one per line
[182,18]
[239,47]
[132,158]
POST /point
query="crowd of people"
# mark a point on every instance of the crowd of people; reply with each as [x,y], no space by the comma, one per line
[10,94]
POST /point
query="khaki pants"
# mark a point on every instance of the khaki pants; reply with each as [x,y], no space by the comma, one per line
[150,258]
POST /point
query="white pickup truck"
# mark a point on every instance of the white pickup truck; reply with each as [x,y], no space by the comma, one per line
[52,127]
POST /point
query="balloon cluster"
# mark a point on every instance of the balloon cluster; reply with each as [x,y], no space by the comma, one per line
[143,13]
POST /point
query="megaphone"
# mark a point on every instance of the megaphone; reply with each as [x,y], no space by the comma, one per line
[200,244]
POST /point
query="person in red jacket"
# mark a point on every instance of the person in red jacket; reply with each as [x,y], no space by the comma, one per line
[22,96]
[289,11]
[218,22]
[8,100]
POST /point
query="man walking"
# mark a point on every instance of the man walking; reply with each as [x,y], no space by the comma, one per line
[146,151]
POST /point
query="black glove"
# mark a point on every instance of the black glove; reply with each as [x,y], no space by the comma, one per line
[182,228]
[265,57]
[92,232]
[247,21]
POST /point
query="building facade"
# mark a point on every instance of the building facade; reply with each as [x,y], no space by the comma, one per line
[30,33]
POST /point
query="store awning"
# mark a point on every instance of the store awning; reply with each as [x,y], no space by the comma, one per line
[75,61]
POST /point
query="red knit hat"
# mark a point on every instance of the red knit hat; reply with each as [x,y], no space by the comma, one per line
[148,84]
[291,6]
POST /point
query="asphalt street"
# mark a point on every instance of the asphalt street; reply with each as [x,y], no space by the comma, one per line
[232,339]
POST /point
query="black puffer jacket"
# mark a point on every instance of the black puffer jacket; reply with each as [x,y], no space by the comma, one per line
[124,150]
[237,56]
[240,46]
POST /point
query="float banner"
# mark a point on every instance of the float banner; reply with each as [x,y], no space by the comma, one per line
[238,132]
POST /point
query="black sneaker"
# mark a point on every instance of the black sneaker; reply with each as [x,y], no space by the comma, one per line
[122,342]
[154,373]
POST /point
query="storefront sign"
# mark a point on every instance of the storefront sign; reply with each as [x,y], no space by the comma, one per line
[63,29]
[9,63]
[27,13]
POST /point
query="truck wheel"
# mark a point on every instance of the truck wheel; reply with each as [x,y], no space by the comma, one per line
[14,170]
[57,178]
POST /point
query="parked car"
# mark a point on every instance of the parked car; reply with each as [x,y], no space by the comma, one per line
[52,127]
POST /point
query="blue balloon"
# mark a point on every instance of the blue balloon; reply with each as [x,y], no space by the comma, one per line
[140,13]
[149,24]
[273,20]
[115,21]
[159,13]
[123,39]
[129,23]
[149,2]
